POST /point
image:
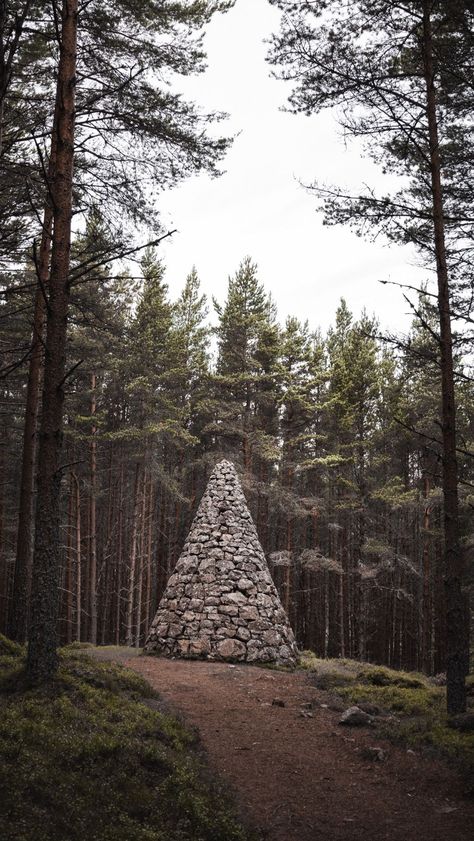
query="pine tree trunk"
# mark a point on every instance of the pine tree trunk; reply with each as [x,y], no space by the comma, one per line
[107,589]
[149,548]
[133,560]
[119,559]
[426,611]
[77,508]
[3,563]
[69,577]
[141,561]
[93,520]
[42,660]
[24,553]
[456,627]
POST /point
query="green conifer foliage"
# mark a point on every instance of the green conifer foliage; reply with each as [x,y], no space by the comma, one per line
[246,347]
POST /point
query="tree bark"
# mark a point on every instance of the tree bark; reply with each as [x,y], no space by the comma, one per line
[426,601]
[77,507]
[42,660]
[93,518]
[24,552]
[69,576]
[133,559]
[149,549]
[141,561]
[107,588]
[3,563]
[119,558]
[456,629]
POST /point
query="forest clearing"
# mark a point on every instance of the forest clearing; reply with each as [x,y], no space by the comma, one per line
[266,516]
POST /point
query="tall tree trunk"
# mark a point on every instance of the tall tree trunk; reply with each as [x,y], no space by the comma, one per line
[93,519]
[456,626]
[426,602]
[77,509]
[3,562]
[149,548]
[133,559]
[42,660]
[107,588]
[24,551]
[69,564]
[141,561]
[119,558]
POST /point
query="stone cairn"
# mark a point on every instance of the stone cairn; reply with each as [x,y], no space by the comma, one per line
[221,603]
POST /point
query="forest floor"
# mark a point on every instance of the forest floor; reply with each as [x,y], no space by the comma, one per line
[297,774]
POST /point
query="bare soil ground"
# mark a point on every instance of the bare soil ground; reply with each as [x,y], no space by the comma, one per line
[297,774]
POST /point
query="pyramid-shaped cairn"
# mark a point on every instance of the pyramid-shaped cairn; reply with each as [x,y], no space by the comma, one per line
[221,603]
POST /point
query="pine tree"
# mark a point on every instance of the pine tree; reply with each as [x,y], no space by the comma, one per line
[244,321]
[402,75]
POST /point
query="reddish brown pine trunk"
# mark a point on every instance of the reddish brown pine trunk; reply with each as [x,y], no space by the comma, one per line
[107,589]
[133,559]
[77,510]
[141,562]
[456,625]
[93,519]
[3,563]
[24,553]
[149,548]
[42,658]
[69,577]
[426,611]
[119,559]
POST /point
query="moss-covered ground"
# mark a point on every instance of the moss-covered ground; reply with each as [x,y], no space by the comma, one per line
[91,757]
[410,708]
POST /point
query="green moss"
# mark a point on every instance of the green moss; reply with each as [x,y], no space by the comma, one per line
[85,673]
[91,758]
[381,676]
[9,648]
[415,709]
[308,660]
[393,698]
[329,674]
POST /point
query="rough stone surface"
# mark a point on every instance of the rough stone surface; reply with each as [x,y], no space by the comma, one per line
[355,717]
[221,602]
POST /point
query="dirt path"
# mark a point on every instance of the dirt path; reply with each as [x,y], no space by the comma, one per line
[303,778]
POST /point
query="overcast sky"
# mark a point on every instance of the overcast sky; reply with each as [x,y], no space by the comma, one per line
[258,207]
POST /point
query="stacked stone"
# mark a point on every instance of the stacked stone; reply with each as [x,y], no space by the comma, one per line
[221,603]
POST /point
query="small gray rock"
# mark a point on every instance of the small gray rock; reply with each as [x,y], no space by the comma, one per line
[355,717]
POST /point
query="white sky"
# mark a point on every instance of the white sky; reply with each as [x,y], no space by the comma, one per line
[258,208]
